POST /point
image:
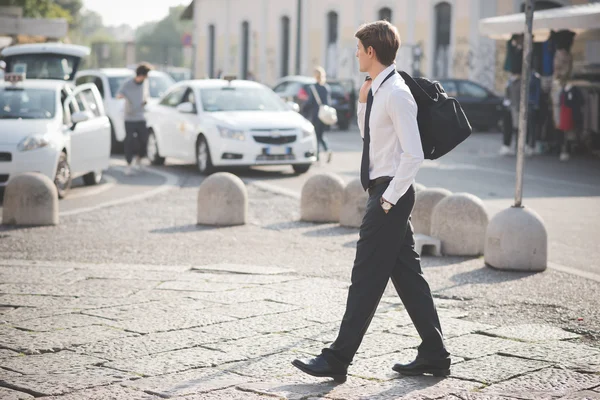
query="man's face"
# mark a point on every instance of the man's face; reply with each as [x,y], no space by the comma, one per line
[141,78]
[364,57]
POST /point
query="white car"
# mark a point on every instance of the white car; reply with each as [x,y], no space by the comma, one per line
[47,126]
[218,123]
[56,61]
[109,80]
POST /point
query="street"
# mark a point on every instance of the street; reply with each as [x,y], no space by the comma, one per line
[564,194]
[129,299]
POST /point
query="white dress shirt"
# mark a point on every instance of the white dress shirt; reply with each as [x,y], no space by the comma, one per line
[395,148]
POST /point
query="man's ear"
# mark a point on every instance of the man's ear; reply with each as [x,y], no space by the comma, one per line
[371,51]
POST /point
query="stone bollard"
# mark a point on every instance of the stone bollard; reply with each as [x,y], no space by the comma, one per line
[425,202]
[321,199]
[516,239]
[354,205]
[419,187]
[460,222]
[222,200]
[30,199]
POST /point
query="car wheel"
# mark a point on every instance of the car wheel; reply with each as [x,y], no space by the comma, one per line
[152,150]
[203,159]
[92,178]
[301,168]
[63,177]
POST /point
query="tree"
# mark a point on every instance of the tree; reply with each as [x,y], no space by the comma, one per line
[73,7]
[40,9]
[90,23]
[160,43]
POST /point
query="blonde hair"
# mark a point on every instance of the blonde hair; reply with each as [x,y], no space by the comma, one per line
[322,75]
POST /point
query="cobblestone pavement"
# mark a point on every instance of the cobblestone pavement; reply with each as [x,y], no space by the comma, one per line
[137,302]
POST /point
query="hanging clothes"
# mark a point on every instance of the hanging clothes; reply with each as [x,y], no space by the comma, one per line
[563,40]
[548,51]
[513,62]
[571,107]
[563,64]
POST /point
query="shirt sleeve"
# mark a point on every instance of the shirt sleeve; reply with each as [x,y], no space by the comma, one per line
[361,110]
[402,109]
[123,90]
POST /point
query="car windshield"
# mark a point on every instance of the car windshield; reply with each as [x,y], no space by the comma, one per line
[43,66]
[230,98]
[27,103]
[158,85]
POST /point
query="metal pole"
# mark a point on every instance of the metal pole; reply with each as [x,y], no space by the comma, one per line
[524,105]
[298,36]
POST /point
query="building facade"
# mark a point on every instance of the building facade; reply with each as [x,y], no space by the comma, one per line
[268,39]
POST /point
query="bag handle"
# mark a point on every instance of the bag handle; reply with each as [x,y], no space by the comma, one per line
[316,94]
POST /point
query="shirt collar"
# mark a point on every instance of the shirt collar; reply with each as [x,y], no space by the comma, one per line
[382,75]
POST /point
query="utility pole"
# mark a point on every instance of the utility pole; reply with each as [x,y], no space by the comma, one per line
[298,36]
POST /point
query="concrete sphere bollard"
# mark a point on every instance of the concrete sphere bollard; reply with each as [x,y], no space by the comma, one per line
[354,205]
[419,187]
[321,199]
[222,200]
[460,222]
[516,239]
[425,202]
[30,199]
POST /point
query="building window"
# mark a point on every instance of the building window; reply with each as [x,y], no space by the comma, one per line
[385,13]
[211,51]
[285,46]
[443,18]
[332,45]
[245,49]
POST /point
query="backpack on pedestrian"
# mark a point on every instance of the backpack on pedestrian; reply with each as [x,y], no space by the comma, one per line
[442,122]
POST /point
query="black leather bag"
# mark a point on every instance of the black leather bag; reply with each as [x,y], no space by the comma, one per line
[442,122]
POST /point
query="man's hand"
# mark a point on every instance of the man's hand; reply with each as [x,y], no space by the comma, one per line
[364,91]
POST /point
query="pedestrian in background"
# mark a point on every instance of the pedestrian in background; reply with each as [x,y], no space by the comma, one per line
[135,91]
[392,156]
[323,92]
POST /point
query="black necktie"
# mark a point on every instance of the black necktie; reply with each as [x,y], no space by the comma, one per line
[365,163]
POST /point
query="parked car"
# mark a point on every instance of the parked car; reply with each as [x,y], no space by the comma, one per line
[484,109]
[51,128]
[108,81]
[297,89]
[216,123]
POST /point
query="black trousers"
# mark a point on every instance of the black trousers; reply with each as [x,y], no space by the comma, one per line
[386,250]
[136,139]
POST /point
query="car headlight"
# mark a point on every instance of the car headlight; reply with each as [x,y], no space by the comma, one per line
[234,134]
[33,142]
[308,131]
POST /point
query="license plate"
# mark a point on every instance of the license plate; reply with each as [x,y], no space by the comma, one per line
[277,150]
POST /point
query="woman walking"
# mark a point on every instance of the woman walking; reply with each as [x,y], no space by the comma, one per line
[323,92]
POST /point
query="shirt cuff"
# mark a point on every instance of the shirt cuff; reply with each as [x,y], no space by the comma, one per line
[362,107]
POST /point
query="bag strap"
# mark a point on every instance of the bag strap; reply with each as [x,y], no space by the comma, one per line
[316,94]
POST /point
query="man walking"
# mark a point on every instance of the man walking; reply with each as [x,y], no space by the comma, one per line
[135,92]
[392,155]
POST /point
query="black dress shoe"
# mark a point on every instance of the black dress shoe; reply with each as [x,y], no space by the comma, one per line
[319,367]
[422,366]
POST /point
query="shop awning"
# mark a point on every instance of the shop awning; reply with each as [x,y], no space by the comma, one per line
[575,18]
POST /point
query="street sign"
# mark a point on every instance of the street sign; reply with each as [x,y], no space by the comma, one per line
[186,40]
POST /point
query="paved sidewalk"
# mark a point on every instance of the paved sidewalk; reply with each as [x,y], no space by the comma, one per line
[99,308]
[110,331]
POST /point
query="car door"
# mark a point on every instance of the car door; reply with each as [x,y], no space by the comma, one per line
[90,139]
[187,127]
[165,120]
[475,101]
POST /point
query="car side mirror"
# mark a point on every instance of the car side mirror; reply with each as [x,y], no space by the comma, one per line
[186,108]
[293,106]
[79,117]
